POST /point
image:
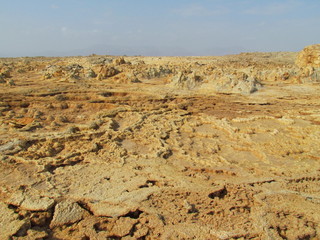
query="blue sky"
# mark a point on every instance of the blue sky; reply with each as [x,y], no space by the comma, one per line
[154,27]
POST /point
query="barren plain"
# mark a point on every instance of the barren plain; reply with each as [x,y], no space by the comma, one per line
[105,147]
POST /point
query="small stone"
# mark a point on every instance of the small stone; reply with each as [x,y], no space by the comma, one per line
[54,124]
[61,97]
[190,207]
[11,82]
[51,118]
[38,114]
[50,106]
[90,73]
[93,126]
[119,61]
[62,119]
[95,147]
[79,106]
[64,106]
[2,79]
[72,129]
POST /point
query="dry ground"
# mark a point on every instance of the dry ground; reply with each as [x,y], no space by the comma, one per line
[107,158]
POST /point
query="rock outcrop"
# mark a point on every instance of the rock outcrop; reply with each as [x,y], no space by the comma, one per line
[237,83]
[309,57]
[107,71]
[184,80]
[309,62]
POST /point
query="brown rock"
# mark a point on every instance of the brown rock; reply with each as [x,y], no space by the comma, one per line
[106,72]
[66,213]
[9,222]
[109,210]
[123,227]
[119,61]
[186,81]
[31,201]
[33,234]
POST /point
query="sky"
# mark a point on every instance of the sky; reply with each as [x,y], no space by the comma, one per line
[156,27]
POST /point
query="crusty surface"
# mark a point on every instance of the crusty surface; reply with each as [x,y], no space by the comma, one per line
[102,147]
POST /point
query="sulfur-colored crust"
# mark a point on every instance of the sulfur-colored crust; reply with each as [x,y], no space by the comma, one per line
[104,147]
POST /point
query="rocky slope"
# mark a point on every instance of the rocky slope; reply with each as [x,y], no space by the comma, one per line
[104,147]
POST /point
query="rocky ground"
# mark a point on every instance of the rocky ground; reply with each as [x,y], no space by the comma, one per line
[104,147]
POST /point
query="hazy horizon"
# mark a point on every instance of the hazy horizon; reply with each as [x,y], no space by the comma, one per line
[156,28]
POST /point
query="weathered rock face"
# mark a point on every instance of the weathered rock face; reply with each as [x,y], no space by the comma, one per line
[309,57]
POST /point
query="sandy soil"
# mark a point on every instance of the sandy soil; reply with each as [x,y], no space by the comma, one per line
[102,147]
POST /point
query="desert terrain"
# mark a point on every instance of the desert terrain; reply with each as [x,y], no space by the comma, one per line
[107,147]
